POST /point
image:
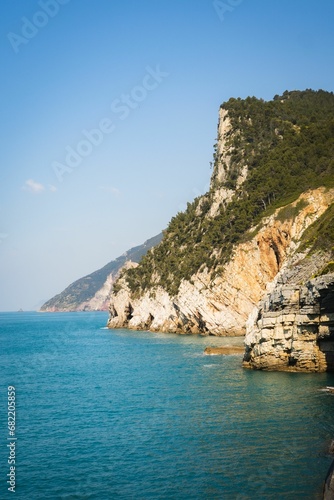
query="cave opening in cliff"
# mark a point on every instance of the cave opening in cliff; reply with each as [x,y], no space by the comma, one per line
[326,346]
[326,339]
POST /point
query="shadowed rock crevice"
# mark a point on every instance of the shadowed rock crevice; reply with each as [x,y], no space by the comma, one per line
[112,311]
[128,310]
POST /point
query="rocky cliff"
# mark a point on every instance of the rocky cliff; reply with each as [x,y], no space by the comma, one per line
[294,330]
[222,306]
[272,180]
[293,327]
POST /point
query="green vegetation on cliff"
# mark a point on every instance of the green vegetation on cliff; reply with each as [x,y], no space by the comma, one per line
[320,237]
[287,145]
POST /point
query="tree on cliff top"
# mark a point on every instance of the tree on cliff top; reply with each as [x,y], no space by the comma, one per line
[288,147]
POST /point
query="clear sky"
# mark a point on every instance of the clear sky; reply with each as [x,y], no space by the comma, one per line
[109,115]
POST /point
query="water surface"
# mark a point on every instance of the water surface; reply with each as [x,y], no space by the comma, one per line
[134,415]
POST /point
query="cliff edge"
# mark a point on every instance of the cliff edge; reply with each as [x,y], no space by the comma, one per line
[272,181]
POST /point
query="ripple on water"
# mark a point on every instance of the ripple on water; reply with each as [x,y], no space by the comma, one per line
[122,414]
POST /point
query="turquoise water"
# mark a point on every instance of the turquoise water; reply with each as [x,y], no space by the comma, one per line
[117,414]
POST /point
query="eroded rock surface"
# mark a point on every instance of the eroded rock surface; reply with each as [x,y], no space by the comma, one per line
[224,305]
[294,330]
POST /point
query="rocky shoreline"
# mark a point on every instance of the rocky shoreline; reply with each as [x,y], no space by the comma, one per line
[294,330]
[328,493]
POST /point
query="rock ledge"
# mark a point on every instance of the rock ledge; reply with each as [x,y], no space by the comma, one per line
[294,330]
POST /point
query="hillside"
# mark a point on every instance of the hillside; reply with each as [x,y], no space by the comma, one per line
[273,177]
[271,153]
[92,292]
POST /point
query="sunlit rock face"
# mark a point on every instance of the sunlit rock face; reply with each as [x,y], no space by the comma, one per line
[294,330]
[223,306]
[227,296]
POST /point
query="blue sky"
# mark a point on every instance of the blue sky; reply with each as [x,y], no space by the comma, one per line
[135,88]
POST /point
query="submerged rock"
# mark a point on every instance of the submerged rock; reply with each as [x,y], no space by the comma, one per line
[213,351]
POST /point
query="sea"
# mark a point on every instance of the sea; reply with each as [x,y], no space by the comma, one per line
[120,414]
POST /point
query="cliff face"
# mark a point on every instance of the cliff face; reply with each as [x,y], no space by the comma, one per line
[272,182]
[223,305]
[294,330]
